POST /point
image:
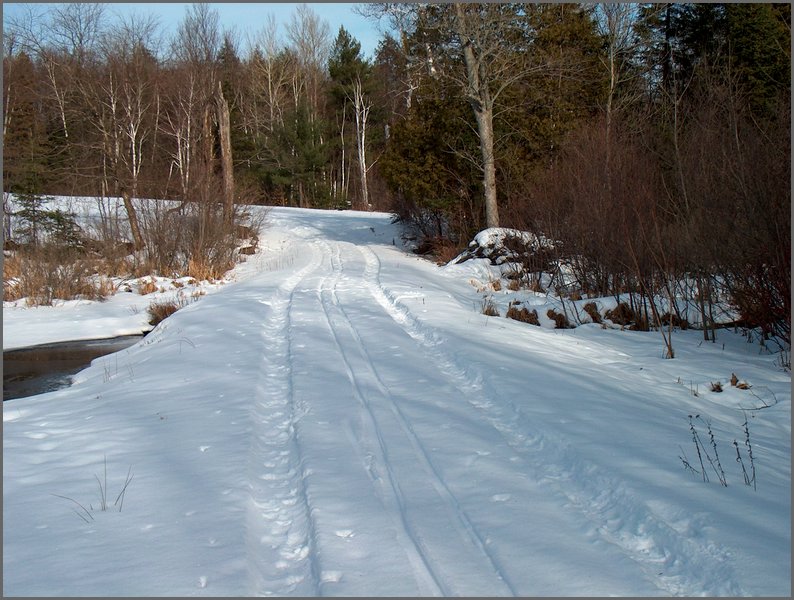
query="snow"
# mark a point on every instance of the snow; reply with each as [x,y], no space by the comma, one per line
[339,419]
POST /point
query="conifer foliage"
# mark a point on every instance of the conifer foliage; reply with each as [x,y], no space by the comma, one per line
[653,140]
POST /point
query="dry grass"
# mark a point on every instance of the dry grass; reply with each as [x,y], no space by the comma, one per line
[677,321]
[444,251]
[560,320]
[534,285]
[489,308]
[203,270]
[45,275]
[591,309]
[160,310]
[621,314]
[523,314]
[148,286]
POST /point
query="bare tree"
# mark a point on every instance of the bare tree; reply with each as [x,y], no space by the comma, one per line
[33,33]
[224,132]
[10,45]
[76,28]
[361,107]
[401,17]
[191,101]
[615,23]
[122,99]
[487,34]
[311,42]
[179,124]
[270,75]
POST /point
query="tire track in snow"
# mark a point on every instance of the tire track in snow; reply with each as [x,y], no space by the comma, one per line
[665,555]
[280,532]
[472,549]
[395,501]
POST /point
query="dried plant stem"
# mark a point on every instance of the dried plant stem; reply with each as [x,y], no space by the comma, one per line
[749,450]
[85,510]
[741,463]
[696,440]
[123,491]
[715,464]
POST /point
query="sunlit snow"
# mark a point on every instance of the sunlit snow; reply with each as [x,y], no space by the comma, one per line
[340,419]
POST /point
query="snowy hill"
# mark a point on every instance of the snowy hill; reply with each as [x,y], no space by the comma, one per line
[342,420]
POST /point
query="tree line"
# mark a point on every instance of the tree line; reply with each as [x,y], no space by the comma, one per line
[652,141]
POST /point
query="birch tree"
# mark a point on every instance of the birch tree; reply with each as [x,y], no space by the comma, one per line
[123,99]
[361,108]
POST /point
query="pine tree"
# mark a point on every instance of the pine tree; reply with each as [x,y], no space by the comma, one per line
[759,38]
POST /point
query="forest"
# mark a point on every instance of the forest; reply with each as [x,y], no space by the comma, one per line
[650,142]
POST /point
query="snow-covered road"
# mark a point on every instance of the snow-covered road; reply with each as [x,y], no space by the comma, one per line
[343,421]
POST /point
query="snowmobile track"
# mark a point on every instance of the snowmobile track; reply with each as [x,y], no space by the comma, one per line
[649,540]
[280,530]
[472,546]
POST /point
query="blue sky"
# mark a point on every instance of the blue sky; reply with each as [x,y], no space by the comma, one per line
[248,17]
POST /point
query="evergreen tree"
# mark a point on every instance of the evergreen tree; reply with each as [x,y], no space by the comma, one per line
[437,188]
[301,158]
[759,38]
[27,145]
[345,64]
[551,102]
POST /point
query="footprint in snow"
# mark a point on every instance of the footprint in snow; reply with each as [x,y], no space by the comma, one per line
[331,576]
[345,533]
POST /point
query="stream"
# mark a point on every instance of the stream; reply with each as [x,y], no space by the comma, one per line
[49,367]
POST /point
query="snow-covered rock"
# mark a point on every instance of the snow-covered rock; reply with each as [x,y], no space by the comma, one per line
[501,244]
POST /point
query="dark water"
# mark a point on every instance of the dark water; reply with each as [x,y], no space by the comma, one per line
[39,369]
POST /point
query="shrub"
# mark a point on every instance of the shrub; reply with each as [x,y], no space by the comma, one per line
[191,239]
[677,321]
[621,314]
[591,309]
[147,286]
[46,274]
[523,314]
[489,308]
[162,309]
[560,320]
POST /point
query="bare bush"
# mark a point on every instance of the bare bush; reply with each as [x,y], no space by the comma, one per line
[191,239]
[47,274]
[592,310]
[162,309]
[560,320]
[489,308]
[522,314]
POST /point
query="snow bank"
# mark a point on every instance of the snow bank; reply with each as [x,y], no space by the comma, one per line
[341,420]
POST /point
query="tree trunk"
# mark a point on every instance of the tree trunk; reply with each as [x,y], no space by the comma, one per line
[206,133]
[224,132]
[485,131]
[482,103]
[132,217]
[362,108]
